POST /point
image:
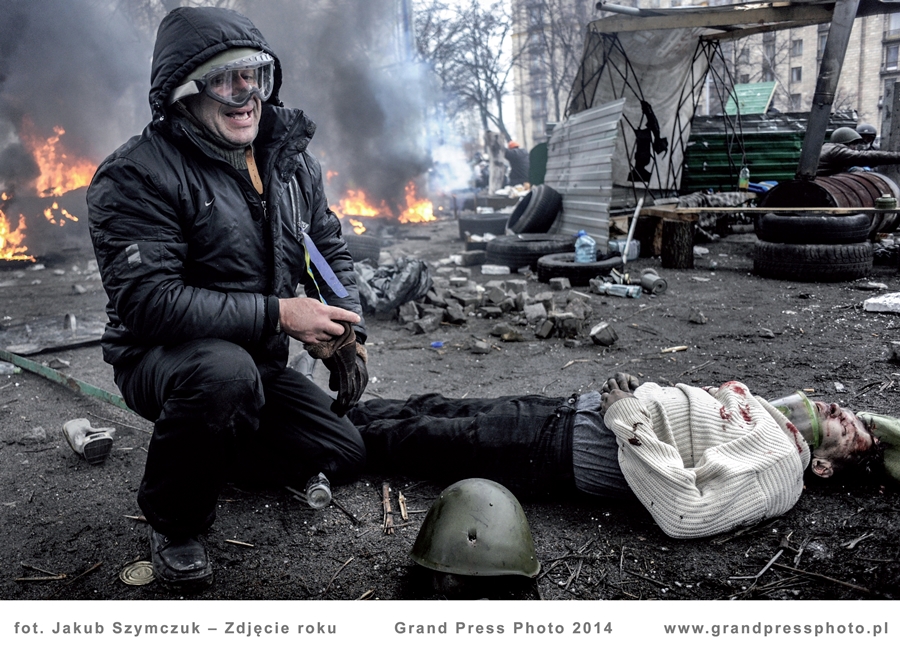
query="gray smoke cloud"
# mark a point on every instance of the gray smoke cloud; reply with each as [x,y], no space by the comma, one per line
[85,65]
[346,67]
[73,64]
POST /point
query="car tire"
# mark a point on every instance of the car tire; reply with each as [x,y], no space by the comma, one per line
[536,212]
[517,251]
[479,224]
[813,262]
[813,228]
[363,247]
[563,265]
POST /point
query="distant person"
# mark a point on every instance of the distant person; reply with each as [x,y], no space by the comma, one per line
[203,226]
[869,135]
[701,460]
[518,164]
[846,150]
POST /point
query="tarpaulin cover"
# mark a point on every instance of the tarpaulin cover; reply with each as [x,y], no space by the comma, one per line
[388,287]
[659,68]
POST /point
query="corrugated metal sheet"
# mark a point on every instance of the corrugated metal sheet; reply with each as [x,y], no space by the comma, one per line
[579,167]
[752,98]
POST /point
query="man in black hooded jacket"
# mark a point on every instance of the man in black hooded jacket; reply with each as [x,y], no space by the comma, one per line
[204,225]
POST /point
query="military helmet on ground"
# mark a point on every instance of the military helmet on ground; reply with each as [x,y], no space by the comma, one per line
[845,135]
[476,528]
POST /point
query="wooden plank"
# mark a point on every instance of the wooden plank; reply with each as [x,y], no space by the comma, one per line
[792,210]
[714,17]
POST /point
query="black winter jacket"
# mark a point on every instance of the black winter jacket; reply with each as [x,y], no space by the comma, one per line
[186,247]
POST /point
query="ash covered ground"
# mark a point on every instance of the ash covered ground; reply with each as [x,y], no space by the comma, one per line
[58,515]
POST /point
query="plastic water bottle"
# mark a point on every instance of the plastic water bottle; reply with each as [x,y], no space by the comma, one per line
[744,179]
[585,247]
[615,289]
[318,492]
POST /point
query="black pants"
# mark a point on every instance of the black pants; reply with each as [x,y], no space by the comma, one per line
[521,442]
[216,420]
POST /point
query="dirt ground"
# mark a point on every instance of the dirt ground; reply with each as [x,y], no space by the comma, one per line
[58,515]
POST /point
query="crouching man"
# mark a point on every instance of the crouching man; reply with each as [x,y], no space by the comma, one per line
[203,227]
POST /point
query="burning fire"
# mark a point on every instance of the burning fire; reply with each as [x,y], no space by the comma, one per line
[59,173]
[11,247]
[417,210]
[357,204]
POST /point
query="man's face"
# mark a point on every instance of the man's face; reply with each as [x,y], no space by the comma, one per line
[237,126]
[844,439]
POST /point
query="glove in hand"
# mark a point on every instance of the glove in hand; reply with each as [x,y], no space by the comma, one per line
[346,360]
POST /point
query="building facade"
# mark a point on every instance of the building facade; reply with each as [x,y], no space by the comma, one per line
[790,58]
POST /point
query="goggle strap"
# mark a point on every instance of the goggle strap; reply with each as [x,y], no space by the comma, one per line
[253,170]
[186,89]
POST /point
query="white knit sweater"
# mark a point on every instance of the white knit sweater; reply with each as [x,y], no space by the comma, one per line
[707,460]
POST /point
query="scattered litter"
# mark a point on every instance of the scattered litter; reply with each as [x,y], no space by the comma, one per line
[674,349]
[137,573]
[872,286]
[495,270]
[437,345]
[838,387]
[7,369]
[388,287]
[883,303]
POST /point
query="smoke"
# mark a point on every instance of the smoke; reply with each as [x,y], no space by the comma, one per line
[69,63]
[85,65]
[345,64]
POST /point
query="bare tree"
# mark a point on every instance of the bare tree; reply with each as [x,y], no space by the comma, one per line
[550,48]
[148,13]
[465,45]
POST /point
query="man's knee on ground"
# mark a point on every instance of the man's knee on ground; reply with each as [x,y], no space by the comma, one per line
[223,375]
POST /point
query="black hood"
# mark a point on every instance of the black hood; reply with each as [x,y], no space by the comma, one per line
[188,36]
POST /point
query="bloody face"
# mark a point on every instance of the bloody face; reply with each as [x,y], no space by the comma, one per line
[845,440]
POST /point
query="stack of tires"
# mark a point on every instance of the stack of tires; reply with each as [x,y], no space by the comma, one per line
[813,247]
[526,239]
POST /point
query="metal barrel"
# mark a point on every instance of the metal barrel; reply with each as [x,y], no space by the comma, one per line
[850,189]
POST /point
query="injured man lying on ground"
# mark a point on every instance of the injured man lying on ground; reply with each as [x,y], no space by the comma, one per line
[701,460]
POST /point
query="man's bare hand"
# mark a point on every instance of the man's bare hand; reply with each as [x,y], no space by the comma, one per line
[311,321]
[616,388]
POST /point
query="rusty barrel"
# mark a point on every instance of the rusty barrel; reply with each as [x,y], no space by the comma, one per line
[851,189]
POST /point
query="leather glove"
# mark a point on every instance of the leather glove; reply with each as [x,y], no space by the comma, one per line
[346,360]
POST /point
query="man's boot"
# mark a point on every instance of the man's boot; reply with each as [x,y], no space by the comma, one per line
[179,563]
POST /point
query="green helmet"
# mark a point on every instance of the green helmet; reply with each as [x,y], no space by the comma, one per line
[476,528]
[845,136]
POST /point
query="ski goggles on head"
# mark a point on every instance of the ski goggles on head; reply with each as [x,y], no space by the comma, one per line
[232,82]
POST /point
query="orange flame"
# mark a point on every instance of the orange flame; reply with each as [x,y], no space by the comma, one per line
[418,210]
[59,172]
[11,247]
[357,203]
